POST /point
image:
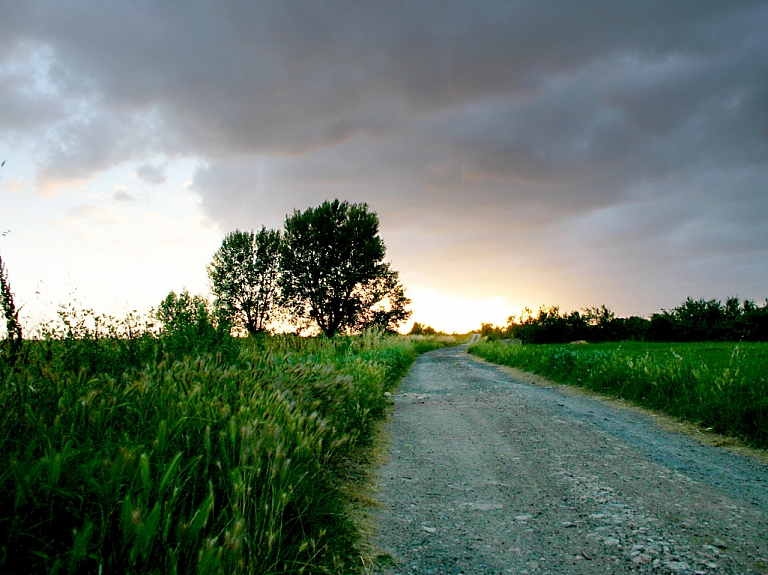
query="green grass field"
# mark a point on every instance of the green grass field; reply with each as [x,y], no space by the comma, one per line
[222,461]
[718,385]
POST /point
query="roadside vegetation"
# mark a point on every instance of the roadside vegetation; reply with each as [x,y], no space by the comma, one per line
[693,320]
[194,440]
[720,385]
[131,448]
[705,361]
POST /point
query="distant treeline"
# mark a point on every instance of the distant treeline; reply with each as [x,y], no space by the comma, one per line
[693,320]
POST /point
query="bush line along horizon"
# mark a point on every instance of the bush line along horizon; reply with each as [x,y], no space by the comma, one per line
[693,320]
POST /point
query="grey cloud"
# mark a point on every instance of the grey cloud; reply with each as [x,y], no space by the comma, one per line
[685,240]
[152,174]
[89,142]
[687,217]
[121,196]
[578,130]
[234,194]
[20,112]
[261,76]
[23,104]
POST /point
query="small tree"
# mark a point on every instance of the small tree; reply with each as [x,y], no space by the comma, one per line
[243,276]
[333,273]
[183,312]
[13,335]
[190,328]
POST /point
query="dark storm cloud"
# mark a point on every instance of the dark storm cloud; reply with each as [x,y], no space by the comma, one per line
[263,76]
[21,108]
[555,119]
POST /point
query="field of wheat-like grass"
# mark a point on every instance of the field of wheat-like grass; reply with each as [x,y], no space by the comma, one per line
[225,460]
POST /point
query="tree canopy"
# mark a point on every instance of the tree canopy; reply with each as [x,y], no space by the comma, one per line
[182,312]
[333,271]
[243,275]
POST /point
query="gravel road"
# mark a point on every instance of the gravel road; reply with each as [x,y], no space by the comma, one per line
[488,474]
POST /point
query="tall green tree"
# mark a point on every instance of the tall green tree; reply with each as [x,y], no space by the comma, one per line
[243,276]
[333,270]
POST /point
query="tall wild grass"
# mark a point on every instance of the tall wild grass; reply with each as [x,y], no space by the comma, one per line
[127,450]
[720,385]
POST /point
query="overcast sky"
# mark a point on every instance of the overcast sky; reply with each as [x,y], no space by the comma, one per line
[518,153]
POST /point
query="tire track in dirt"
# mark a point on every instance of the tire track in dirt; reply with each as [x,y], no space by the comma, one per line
[491,475]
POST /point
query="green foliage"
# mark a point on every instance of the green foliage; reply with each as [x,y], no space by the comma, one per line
[211,462]
[183,311]
[720,385]
[553,326]
[83,341]
[693,320]
[13,344]
[244,275]
[190,328]
[419,329]
[427,343]
[381,304]
[702,320]
[491,333]
[333,273]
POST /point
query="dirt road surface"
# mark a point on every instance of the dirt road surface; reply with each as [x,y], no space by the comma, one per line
[490,475]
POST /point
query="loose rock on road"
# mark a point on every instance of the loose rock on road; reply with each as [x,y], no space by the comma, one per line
[491,475]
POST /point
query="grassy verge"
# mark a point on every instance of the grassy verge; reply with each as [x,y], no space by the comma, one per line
[423,343]
[718,385]
[228,460]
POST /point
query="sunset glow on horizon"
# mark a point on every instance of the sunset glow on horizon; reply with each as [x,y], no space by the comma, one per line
[456,314]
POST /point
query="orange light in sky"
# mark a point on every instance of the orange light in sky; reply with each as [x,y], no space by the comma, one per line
[455,314]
